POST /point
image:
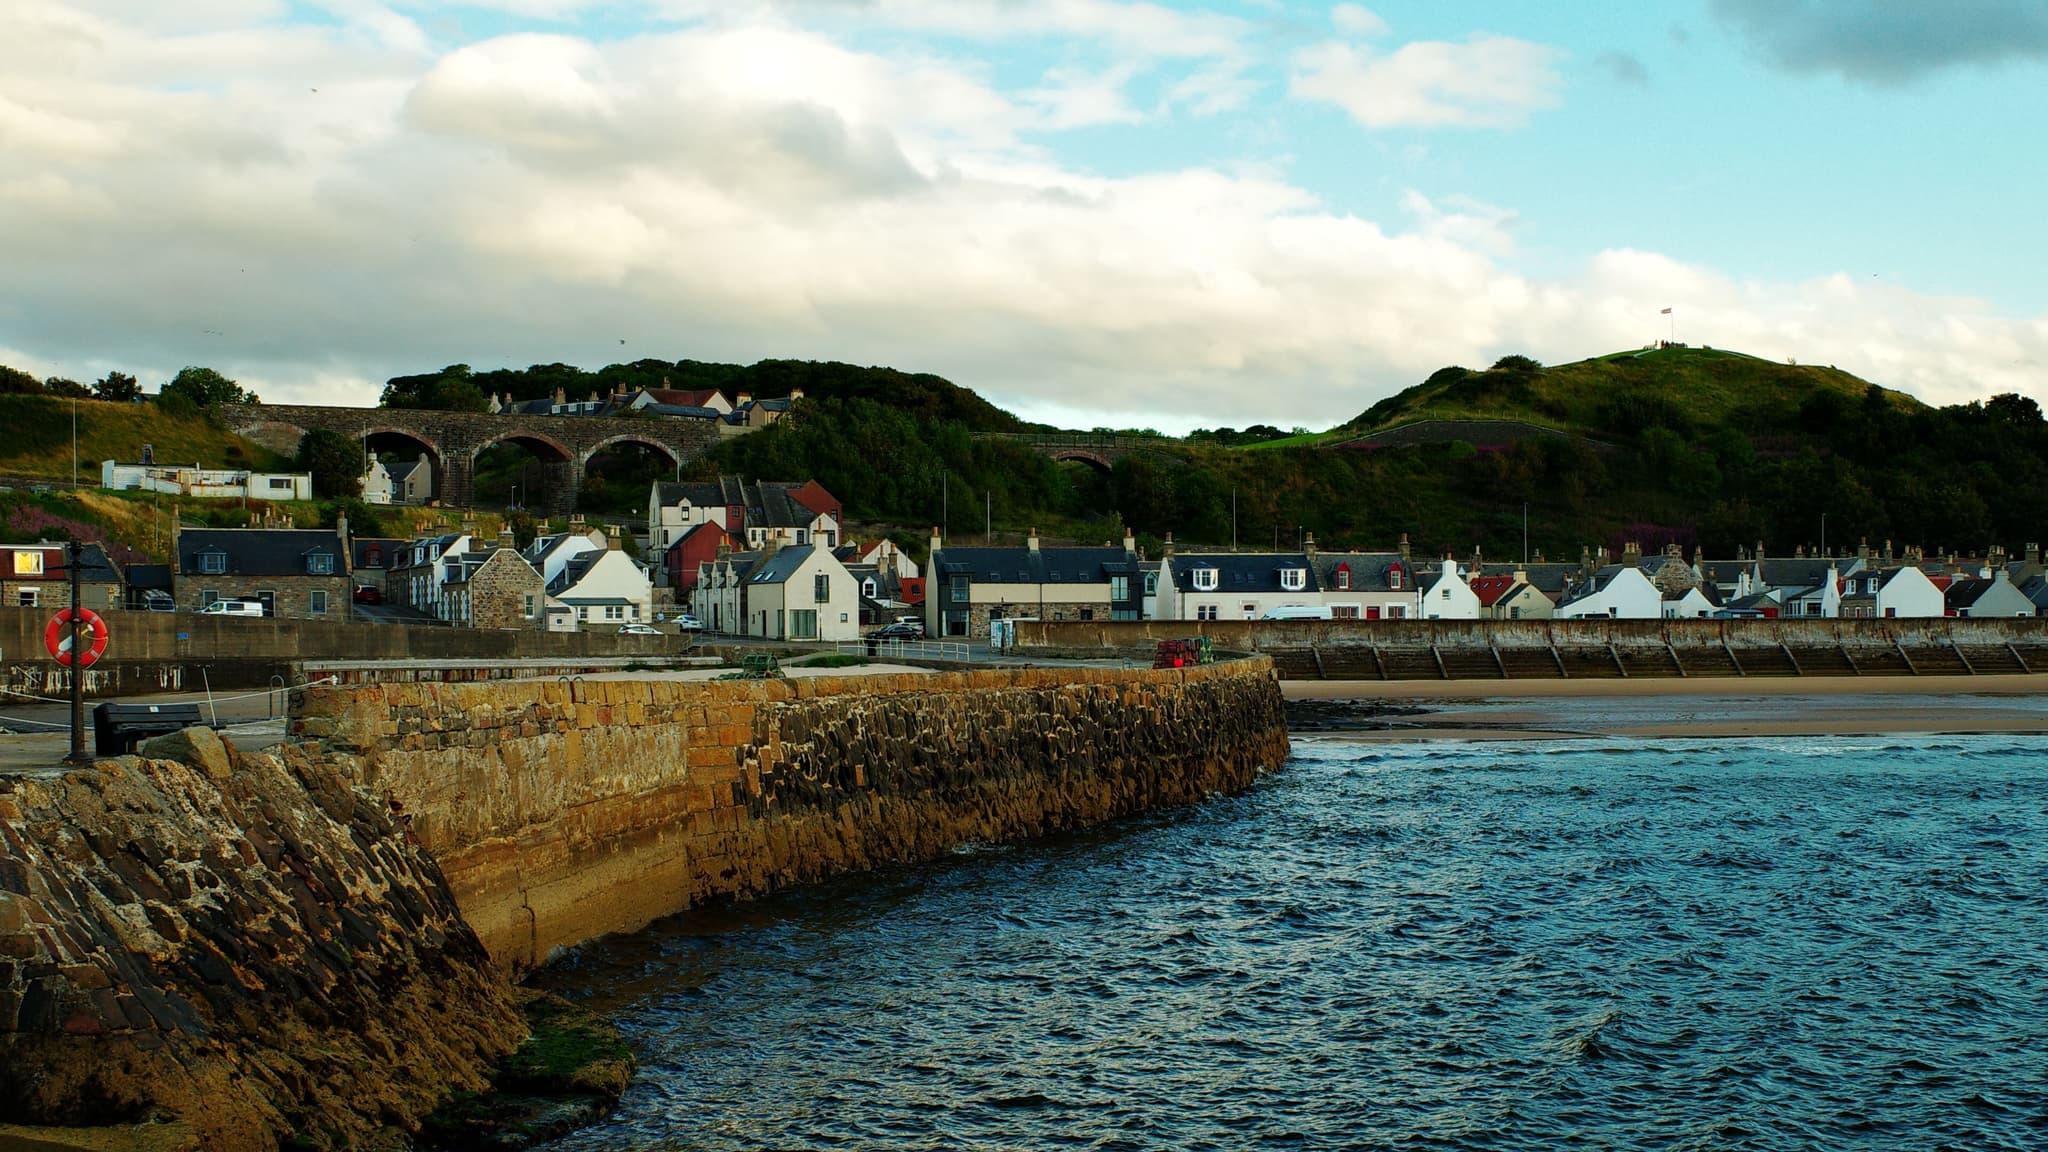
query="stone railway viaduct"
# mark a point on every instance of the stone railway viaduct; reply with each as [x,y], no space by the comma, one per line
[452,440]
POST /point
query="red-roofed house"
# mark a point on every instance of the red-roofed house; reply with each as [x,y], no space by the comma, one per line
[1511,597]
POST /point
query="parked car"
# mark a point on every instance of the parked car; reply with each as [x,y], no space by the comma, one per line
[154,601]
[688,623]
[233,608]
[638,630]
[369,594]
[900,630]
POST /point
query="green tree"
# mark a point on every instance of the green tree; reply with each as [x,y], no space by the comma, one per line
[336,462]
[206,388]
[119,387]
[65,386]
[14,380]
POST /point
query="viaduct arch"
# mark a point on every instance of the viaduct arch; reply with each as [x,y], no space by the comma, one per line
[452,439]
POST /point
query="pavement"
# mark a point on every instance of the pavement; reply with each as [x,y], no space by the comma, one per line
[37,733]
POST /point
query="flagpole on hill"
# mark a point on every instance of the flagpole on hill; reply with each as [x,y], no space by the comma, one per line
[1674,327]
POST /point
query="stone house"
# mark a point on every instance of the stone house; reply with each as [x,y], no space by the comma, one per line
[300,573]
[972,586]
[495,587]
[36,576]
[591,576]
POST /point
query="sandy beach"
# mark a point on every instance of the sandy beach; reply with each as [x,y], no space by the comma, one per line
[1666,708]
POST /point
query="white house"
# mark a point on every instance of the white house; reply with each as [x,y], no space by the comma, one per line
[603,587]
[799,592]
[1234,585]
[1618,592]
[209,483]
[1905,592]
[1448,597]
[377,483]
[1687,604]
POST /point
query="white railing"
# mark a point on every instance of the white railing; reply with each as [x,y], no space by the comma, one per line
[906,649]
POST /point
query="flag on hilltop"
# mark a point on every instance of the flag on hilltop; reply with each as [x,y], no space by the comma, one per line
[1665,312]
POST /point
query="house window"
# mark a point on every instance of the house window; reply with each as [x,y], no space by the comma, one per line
[528,611]
[268,598]
[283,483]
[320,564]
[208,596]
[615,611]
[868,589]
[1251,611]
[1394,579]
[1151,583]
[1343,611]
[1447,594]
[26,598]
[582,613]
[28,563]
[803,536]
[958,588]
[316,601]
[1087,613]
[1205,612]
[821,589]
[1293,579]
[1514,613]
[1344,578]
[1119,588]
[1205,579]
[213,562]
[1397,611]
[803,624]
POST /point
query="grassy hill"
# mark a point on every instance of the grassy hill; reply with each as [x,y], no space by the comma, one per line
[1621,392]
[38,439]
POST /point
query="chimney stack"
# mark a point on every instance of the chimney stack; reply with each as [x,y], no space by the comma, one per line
[1031,541]
[1308,545]
[505,537]
[612,540]
[1130,542]
[1631,554]
[1863,549]
[2033,554]
[1404,548]
[1168,550]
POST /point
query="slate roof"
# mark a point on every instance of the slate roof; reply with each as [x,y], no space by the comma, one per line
[1044,566]
[1368,571]
[777,569]
[690,411]
[1241,571]
[148,576]
[261,551]
[1809,572]
[725,490]
[1964,591]
[2035,589]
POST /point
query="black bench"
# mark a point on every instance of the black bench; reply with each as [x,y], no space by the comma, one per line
[118,728]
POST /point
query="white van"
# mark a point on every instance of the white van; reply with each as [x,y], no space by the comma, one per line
[233,608]
[1298,612]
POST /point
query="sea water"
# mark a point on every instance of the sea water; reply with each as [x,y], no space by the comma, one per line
[1732,944]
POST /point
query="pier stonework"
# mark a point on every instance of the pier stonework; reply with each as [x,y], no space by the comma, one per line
[246,943]
[311,944]
[564,811]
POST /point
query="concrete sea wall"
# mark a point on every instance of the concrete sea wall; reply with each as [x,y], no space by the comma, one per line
[564,811]
[1553,649]
[246,943]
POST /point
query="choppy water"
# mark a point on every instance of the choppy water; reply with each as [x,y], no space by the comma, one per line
[1810,944]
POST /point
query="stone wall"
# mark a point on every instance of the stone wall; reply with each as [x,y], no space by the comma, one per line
[1539,649]
[564,811]
[249,944]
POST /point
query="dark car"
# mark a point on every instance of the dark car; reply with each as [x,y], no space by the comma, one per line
[900,630]
[369,594]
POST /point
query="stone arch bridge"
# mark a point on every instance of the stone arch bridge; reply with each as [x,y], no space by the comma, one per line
[1098,450]
[451,440]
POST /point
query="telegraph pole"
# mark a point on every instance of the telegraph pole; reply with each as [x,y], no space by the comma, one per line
[78,755]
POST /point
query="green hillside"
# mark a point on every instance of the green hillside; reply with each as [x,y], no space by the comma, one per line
[38,439]
[1621,392]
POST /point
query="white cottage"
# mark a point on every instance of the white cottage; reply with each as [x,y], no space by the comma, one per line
[1620,592]
[1448,597]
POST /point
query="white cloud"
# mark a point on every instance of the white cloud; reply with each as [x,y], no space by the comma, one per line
[1488,81]
[1357,21]
[743,190]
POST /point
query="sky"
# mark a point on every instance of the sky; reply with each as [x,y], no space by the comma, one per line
[1095,212]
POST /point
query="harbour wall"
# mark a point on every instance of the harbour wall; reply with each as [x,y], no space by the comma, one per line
[1588,649]
[562,811]
[183,651]
[247,944]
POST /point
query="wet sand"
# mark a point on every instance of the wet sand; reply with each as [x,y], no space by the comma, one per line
[1664,708]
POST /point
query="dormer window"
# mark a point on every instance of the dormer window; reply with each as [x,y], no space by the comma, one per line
[1293,579]
[1205,579]
[1344,577]
[213,562]
[320,564]
[1394,579]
